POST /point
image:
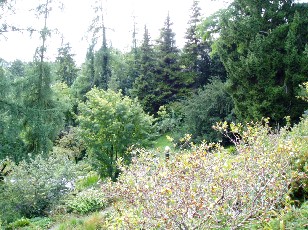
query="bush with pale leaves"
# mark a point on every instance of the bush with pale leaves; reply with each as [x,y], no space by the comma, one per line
[206,187]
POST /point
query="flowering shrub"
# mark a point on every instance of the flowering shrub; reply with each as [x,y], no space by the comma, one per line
[205,187]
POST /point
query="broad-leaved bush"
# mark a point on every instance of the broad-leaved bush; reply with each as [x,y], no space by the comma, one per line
[207,187]
[32,188]
[89,200]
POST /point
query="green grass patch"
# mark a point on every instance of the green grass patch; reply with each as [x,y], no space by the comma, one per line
[162,142]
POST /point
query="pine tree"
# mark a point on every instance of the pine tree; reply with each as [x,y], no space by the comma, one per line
[133,61]
[261,45]
[196,63]
[102,59]
[67,69]
[169,84]
[102,56]
[145,84]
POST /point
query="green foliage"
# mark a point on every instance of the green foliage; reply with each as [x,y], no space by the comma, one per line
[5,168]
[85,79]
[299,185]
[287,218]
[70,145]
[40,223]
[168,119]
[10,117]
[67,70]
[102,66]
[169,85]
[262,46]
[144,86]
[110,124]
[90,180]
[303,93]
[19,223]
[44,111]
[202,110]
[43,115]
[195,59]
[93,222]
[86,201]
[32,188]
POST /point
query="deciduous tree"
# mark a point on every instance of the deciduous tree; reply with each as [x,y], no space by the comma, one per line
[110,124]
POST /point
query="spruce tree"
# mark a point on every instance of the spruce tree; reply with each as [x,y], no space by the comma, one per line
[195,59]
[169,83]
[102,62]
[262,46]
[66,69]
[133,62]
[102,56]
[145,85]
[197,65]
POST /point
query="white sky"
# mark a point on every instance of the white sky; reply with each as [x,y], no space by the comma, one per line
[75,19]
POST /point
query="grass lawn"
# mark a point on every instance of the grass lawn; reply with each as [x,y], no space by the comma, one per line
[162,142]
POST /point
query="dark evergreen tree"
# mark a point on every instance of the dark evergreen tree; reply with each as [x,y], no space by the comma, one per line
[66,69]
[17,69]
[102,63]
[133,61]
[90,66]
[262,45]
[85,80]
[145,85]
[169,85]
[198,67]
[195,59]
[102,73]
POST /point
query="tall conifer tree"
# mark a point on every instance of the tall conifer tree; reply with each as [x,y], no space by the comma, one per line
[262,45]
[145,84]
[169,83]
[102,56]
[67,69]
[43,118]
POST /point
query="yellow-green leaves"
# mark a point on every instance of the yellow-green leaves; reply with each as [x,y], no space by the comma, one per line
[110,124]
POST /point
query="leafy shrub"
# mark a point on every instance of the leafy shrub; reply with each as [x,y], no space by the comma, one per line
[70,145]
[299,138]
[41,223]
[86,201]
[19,223]
[90,180]
[33,187]
[203,109]
[206,187]
[169,118]
[93,222]
[287,218]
